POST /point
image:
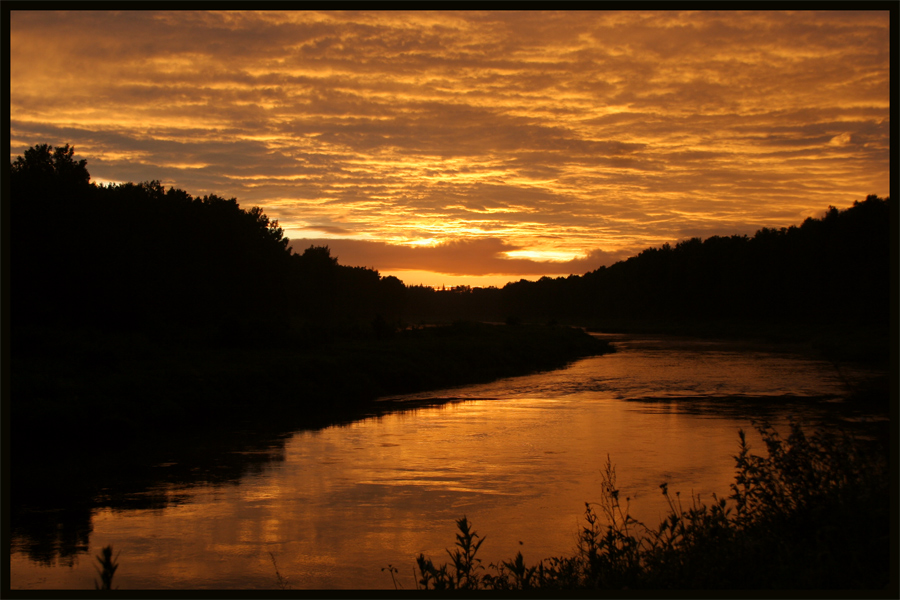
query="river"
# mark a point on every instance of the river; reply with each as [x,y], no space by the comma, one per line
[519,457]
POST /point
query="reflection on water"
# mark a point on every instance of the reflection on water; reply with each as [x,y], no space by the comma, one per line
[53,504]
[518,457]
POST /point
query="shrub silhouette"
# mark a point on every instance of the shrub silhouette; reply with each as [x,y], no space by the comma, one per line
[812,514]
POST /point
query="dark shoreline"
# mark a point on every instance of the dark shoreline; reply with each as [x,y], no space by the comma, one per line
[84,388]
[862,344]
[217,412]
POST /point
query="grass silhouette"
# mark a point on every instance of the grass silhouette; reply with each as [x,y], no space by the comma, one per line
[107,568]
[813,514]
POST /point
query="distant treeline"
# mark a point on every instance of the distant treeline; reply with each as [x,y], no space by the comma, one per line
[826,272]
[834,268]
[137,256]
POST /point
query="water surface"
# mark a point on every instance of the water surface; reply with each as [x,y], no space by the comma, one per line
[518,457]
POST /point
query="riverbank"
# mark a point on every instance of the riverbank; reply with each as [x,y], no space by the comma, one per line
[861,345]
[84,387]
[95,416]
[861,357]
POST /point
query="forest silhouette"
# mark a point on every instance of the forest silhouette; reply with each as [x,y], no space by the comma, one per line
[137,257]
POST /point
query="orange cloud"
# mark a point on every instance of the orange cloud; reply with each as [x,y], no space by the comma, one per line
[557,132]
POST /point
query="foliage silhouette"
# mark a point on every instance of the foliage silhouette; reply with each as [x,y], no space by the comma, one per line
[812,514]
[49,169]
[814,273]
[108,570]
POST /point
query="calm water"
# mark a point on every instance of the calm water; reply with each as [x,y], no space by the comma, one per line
[518,457]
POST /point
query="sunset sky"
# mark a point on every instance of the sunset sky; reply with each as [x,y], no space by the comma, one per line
[471,147]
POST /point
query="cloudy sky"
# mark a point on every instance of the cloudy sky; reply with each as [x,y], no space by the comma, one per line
[471,147]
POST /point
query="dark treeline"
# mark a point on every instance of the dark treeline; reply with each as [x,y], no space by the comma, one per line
[137,256]
[826,272]
[830,269]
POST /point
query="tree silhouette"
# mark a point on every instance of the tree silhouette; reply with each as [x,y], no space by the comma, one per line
[821,272]
[45,165]
[137,256]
